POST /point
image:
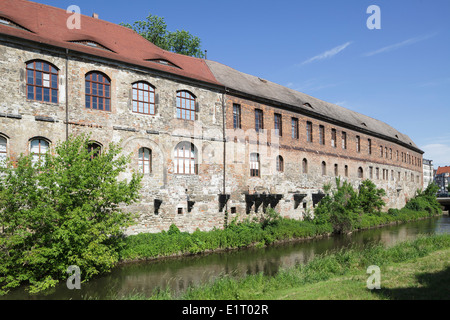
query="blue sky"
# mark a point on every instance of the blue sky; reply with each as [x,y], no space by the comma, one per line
[399,74]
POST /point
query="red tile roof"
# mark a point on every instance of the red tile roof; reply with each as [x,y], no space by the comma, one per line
[442,170]
[48,25]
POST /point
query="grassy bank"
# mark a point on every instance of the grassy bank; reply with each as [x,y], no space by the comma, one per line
[416,269]
[342,210]
[245,234]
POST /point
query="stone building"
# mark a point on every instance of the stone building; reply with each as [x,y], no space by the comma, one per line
[207,138]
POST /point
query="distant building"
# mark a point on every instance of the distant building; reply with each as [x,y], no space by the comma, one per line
[428,172]
[442,179]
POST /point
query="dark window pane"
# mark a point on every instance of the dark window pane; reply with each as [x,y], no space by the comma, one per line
[47,94]
[107,91]
[38,65]
[94,102]
[30,77]
[39,78]
[39,93]
[30,92]
[46,67]
[94,77]
[107,104]
[88,102]
[54,96]
[100,103]
[54,81]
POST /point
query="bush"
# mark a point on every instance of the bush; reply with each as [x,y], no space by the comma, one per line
[62,211]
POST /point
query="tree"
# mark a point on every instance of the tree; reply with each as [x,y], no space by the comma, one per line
[154,29]
[61,211]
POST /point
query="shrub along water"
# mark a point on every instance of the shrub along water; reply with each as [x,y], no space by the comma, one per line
[341,210]
[348,210]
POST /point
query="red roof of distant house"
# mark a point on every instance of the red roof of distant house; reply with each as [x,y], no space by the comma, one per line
[48,25]
[442,170]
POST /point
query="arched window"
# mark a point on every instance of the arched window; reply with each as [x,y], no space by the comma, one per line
[346,170]
[98,91]
[360,173]
[143,98]
[280,164]
[324,168]
[336,169]
[38,148]
[145,160]
[185,158]
[305,166]
[94,149]
[254,165]
[185,105]
[42,81]
[3,150]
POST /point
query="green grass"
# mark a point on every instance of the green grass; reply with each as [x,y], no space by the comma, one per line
[416,269]
[239,235]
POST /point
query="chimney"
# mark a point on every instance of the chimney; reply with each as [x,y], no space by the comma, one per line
[95,15]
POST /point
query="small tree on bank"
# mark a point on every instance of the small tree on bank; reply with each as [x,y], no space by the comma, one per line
[343,206]
[63,210]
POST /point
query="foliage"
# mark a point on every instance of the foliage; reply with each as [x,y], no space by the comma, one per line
[348,210]
[425,200]
[154,29]
[236,235]
[370,199]
[62,211]
[341,207]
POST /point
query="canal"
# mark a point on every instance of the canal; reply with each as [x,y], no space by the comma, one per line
[179,273]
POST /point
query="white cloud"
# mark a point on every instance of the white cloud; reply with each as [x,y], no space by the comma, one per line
[399,45]
[328,54]
[438,152]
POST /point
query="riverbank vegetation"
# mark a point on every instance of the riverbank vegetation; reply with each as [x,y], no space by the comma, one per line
[417,269]
[62,209]
[342,210]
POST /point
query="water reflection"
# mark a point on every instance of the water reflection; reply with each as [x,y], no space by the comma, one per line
[180,273]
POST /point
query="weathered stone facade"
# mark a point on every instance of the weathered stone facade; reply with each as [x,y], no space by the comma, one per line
[223,182]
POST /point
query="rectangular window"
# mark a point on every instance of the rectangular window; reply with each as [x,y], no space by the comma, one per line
[236,116]
[369,146]
[333,138]
[377,173]
[358,144]
[371,172]
[344,140]
[321,135]
[278,125]
[294,125]
[254,165]
[381,151]
[309,132]
[258,120]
